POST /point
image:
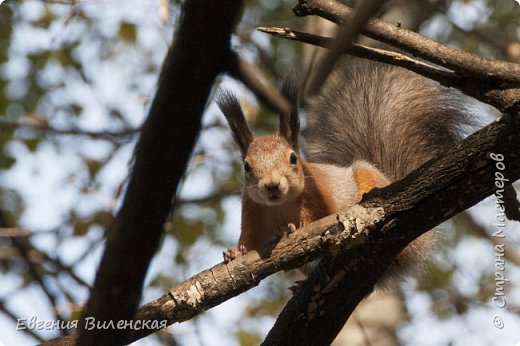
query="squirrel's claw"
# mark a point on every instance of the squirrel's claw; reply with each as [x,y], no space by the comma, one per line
[232,252]
[288,229]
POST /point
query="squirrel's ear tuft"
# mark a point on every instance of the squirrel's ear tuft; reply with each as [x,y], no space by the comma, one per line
[290,123]
[289,87]
[229,105]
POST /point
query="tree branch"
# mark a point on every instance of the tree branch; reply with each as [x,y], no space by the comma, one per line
[509,252]
[418,45]
[19,233]
[371,233]
[377,54]
[43,126]
[35,269]
[247,73]
[347,33]
[511,203]
[166,142]
[489,92]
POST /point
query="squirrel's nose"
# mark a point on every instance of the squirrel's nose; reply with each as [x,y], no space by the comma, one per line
[272,186]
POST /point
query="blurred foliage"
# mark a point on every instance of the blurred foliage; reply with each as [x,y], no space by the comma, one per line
[76,79]
[246,338]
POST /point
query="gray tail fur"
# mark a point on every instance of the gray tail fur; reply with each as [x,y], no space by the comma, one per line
[386,115]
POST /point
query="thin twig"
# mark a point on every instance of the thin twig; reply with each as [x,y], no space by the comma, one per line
[509,252]
[56,262]
[63,2]
[472,86]
[347,34]
[433,72]
[264,55]
[223,192]
[34,268]
[10,232]
[44,127]
[250,76]
[463,63]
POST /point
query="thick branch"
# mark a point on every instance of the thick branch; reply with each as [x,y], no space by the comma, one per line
[438,190]
[512,205]
[166,142]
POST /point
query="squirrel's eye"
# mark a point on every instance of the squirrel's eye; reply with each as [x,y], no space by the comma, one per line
[293,158]
[247,168]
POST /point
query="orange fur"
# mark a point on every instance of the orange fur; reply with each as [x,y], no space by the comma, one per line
[262,224]
[366,177]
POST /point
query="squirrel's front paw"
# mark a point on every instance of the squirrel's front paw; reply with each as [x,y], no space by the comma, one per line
[232,252]
[288,229]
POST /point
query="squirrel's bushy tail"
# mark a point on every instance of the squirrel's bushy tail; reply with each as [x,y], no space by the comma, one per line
[392,118]
[386,115]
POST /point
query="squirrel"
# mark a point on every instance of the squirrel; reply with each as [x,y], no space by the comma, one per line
[370,125]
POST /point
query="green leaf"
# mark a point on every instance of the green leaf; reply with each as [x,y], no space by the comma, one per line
[246,338]
[93,166]
[6,162]
[128,32]
[32,143]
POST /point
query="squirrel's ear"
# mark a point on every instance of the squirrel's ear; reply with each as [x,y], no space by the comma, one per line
[229,105]
[290,122]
